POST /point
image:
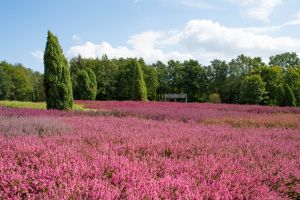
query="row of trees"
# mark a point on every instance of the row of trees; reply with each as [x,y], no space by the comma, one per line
[243,80]
[20,83]
[121,79]
[61,85]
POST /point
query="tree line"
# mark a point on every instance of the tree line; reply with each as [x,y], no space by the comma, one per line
[243,80]
[20,83]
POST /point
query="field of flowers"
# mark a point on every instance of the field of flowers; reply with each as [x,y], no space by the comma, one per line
[133,150]
[234,115]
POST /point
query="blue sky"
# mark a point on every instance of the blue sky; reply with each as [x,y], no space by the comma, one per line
[152,29]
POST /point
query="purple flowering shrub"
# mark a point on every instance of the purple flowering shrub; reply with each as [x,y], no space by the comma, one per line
[106,157]
[234,115]
[14,126]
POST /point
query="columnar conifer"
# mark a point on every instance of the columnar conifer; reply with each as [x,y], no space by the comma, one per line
[58,86]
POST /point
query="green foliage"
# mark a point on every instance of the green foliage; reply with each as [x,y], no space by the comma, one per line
[106,72]
[5,81]
[274,79]
[238,68]
[287,97]
[58,85]
[217,73]
[194,81]
[292,78]
[38,87]
[139,89]
[19,83]
[151,80]
[285,60]
[86,85]
[162,76]
[131,82]
[252,90]
[231,89]
[242,65]
[175,76]
[214,98]
[21,86]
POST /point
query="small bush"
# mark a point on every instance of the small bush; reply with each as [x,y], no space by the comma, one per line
[214,98]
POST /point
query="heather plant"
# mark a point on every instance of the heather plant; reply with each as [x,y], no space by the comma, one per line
[57,80]
[130,158]
[287,121]
[18,126]
[197,112]
[105,157]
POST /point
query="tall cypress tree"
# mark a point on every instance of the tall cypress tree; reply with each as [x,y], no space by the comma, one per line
[86,88]
[139,89]
[58,86]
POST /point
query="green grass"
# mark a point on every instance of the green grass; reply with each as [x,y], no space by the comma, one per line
[34,105]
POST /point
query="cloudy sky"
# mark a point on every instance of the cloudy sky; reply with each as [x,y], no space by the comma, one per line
[152,29]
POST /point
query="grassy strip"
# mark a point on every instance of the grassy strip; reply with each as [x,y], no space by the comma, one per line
[35,105]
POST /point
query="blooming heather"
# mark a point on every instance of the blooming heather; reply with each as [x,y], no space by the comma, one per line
[235,115]
[106,157]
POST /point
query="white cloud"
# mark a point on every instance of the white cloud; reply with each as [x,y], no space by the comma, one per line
[203,40]
[145,45]
[226,41]
[259,9]
[256,9]
[264,9]
[76,38]
[39,55]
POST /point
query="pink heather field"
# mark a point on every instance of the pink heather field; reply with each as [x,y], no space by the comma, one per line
[151,150]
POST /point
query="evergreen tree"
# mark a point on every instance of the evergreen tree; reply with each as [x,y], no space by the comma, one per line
[150,78]
[139,89]
[57,80]
[86,87]
[131,84]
